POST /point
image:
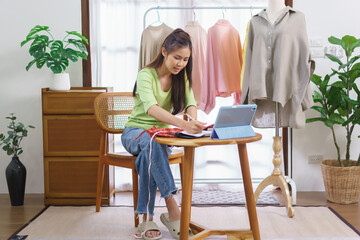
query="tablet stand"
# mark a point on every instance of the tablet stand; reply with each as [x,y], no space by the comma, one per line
[277,178]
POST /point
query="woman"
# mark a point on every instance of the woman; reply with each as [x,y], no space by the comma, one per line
[162,90]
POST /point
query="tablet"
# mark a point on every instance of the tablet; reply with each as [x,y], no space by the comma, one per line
[234,122]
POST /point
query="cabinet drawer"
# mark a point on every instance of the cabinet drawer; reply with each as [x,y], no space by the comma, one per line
[73,177]
[70,102]
[71,135]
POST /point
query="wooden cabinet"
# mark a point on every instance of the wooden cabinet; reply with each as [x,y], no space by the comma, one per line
[71,148]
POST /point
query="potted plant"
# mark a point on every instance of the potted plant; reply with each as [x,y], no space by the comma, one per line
[339,104]
[15,171]
[55,54]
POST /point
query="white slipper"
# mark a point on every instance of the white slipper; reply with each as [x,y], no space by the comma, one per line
[173,227]
[148,226]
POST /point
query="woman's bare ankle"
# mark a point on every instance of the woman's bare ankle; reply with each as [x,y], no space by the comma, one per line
[174,216]
[173,208]
[145,218]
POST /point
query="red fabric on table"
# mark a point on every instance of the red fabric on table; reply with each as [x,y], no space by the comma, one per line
[161,132]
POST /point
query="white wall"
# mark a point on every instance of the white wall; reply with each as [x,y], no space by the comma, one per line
[324,18]
[20,91]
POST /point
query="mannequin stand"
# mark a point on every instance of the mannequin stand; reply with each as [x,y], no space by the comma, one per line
[277,178]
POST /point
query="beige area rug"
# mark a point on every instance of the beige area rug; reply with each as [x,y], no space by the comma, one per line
[309,223]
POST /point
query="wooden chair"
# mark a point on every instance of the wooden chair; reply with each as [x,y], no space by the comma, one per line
[111,112]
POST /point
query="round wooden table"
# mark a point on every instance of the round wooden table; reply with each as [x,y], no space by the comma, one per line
[187,186]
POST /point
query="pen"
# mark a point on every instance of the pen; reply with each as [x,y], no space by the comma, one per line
[190,117]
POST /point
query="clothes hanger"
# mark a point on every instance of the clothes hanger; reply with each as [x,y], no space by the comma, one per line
[158,20]
[194,15]
[222,10]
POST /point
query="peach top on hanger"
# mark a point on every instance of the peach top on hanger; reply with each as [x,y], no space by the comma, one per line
[221,76]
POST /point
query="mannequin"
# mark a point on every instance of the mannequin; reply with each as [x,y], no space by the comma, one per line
[278,16]
[274,9]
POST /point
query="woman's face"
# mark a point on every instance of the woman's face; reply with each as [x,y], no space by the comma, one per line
[177,59]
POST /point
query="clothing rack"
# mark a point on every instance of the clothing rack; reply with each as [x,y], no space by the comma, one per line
[195,7]
[276,178]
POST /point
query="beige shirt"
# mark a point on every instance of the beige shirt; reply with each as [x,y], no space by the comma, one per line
[151,40]
[278,69]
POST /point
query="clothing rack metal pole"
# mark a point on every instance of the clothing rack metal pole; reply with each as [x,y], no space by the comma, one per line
[194,7]
[276,178]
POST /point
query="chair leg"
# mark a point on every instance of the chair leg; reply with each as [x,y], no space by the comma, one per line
[181,173]
[135,181]
[100,179]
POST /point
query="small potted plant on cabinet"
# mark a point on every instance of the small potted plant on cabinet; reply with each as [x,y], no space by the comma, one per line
[15,171]
[55,54]
[339,104]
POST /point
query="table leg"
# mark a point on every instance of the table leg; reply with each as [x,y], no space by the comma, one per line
[188,169]
[249,194]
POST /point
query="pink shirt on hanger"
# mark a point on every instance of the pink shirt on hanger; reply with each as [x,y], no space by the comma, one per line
[198,39]
[222,71]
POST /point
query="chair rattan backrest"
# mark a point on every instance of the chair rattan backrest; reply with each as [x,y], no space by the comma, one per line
[112,110]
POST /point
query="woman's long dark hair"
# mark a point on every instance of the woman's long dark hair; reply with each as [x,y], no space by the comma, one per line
[176,39]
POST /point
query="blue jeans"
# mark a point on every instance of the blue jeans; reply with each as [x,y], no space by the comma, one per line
[160,174]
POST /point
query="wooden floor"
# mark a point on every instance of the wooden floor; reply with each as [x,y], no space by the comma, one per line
[12,218]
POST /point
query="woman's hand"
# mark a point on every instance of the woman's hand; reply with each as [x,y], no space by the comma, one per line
[166,117]
[194,127]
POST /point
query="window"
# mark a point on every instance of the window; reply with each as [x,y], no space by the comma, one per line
[119,25]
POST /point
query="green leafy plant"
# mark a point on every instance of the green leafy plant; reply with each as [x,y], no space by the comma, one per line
[339,100]
[55,53]
[17,132]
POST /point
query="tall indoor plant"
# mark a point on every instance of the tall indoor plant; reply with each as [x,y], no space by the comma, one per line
[338,99]
[15,171]
[55,54]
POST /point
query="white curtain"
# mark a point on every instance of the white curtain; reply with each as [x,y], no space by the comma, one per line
[115,30]
[95,43]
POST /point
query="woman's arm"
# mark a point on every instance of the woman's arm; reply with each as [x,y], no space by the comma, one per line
[166,117]
[192,111]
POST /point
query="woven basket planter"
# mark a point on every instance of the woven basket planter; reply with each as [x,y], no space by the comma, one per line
[342,184]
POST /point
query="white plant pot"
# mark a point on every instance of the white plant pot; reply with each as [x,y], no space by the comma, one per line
[60,82]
